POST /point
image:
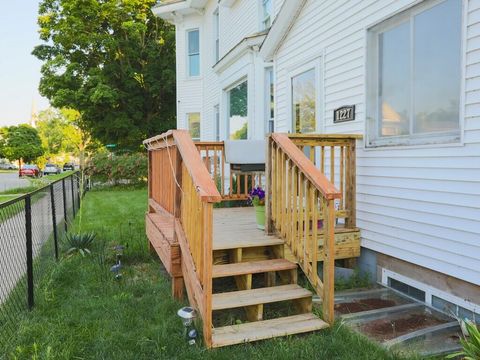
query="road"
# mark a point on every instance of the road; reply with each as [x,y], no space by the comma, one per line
[11,180]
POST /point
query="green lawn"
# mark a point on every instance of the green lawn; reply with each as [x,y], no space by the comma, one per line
[4,198]
[83,313]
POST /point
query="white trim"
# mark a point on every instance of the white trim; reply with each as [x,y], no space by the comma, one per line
[372,141]
[187,54]
[430,291]
[280,27]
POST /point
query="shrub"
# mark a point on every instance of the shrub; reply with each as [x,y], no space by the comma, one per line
[128,168]
[470,343]
[79,242]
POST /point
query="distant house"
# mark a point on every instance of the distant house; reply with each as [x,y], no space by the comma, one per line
[411,69]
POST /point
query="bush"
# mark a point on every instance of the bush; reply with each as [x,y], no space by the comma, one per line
[129,168]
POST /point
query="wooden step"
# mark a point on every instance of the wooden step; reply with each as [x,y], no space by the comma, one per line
[235,299]
[252,267]
[238,241]
[266,329]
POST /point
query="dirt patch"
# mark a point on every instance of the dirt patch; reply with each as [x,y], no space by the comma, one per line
[363,305]
[385,329]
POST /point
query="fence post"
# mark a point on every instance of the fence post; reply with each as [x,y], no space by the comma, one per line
[79,196]
[54,221]
[64,204]
[73,196]
[29,245]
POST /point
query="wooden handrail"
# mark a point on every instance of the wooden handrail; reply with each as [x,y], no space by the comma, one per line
[202,181]
[319,180]
[300,208]
[232,185]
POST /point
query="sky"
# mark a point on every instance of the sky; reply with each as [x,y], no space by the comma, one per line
[19,70]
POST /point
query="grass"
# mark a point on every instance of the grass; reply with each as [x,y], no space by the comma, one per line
[5,198]
[83,313]
[36,183]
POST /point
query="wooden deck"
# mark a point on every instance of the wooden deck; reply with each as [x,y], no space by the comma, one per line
[199,243]
[235,228]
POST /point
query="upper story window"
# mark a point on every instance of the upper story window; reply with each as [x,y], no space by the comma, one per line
[193,52]
[266,14]
[216,33]
[238,112]
[415,71]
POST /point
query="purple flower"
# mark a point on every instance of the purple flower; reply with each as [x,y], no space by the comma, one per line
[257,196]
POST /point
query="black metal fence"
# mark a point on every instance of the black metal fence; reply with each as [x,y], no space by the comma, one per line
[31,227]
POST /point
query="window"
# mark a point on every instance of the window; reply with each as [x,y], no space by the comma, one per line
[237,112]
[216,111]
[193,39]
[414,85]
[269,101]
[266,14]
[303,102]
[216,30]
[194,125]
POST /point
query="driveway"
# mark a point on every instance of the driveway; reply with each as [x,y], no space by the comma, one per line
[11,180]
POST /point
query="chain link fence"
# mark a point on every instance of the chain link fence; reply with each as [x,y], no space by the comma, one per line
[31,227]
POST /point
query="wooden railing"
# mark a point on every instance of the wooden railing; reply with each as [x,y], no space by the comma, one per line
[334,155]
[180,185]
[231,185]
[300,208]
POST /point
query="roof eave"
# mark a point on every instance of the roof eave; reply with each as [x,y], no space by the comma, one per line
[281,26]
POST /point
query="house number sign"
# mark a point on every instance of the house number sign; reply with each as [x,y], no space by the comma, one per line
[344,113]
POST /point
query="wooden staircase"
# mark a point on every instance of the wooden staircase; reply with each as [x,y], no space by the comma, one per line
[303,207]
[253,300]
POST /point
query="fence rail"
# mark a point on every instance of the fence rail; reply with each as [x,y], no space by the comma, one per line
[30,228]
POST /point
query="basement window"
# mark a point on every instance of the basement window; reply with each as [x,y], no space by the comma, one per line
[407,289]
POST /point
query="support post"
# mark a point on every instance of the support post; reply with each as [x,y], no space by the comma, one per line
[351,185]
[54,221]
[268,187]
[29,248]
[73,195]
[64,205]
[329,263]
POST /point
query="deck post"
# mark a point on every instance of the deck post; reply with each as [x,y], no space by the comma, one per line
[269,229]
[329,263]
[350,193]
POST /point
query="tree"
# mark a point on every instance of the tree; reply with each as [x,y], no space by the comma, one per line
[113,62]
[22,142]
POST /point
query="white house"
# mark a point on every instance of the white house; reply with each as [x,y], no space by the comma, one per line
[411,68]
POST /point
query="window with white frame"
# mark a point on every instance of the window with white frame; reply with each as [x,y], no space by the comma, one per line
[269,100]
[193,120]
[414,65]
[216,112]
[304,102]
[193,52]
[266,14]
[238,111]
[216,33]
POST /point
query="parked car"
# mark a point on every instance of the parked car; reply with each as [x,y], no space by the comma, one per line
[8,166]
[51,169]
[30,170]
[68,167]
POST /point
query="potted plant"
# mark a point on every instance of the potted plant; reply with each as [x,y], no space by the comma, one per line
[257,198]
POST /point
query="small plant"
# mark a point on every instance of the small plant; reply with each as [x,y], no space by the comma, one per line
[257,196]
[79,242]
[470,343]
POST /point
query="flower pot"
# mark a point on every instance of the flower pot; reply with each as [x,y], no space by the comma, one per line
[260,215]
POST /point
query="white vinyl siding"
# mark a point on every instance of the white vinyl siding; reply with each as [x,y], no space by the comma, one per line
[417,203]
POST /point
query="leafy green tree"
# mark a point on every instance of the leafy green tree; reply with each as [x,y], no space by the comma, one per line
[22,142]
[113,62]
